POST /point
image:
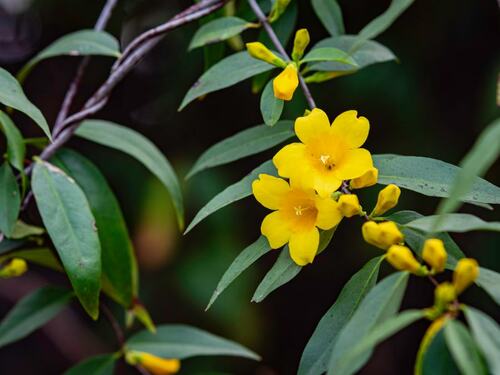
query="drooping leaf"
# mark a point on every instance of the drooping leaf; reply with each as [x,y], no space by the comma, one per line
[218,30]
[70,224]
[317,352]
[245,143]
[97,365]
[232,193]
[32,312]
[10,200]
[244,260]
[330,54]
[379,305]
[270,106]
[453,223]
[119,266]
[330,15]
[16,149]
[225,73]
[181,341]
[12,95]
[139,147]
[437,359]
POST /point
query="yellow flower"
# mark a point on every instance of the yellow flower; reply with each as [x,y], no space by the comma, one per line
[285,84]
[387,198]
[382,235]
[259,51]
[434,254]
[155,365]
[466,272]
[300,44]
[349,205]
[403,259]
[298,213]
[16,267]
[368,179]
[327,155]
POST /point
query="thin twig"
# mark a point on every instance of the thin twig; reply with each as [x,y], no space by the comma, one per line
[120,336]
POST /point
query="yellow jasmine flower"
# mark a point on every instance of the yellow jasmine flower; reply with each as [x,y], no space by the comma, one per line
[16,267]
[401,258]
[434,254]
[368,179]
[327,154]
[383,235]
[349,205]
[285,84]
[155,365]
[387,198]
[466,272]
[297,214]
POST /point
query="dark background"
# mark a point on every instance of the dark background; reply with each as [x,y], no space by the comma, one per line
[433,103]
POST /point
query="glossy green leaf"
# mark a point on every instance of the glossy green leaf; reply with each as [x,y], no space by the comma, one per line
[245,143]
[317,352]
[181,341]
[139,147]
[218,30]
[379,305]
[330,15]
[270,106]
[32,312]
[437,359]
[16,149]
[12,95]
[68,219]
[463,349]
[244,260]
[486,333]
[232,193]
[79,43]
[225,73]
[453,223]
[430,177]
[97,365]
[330,54]
[40,256]
[10,200]
[489,280]
[119,266]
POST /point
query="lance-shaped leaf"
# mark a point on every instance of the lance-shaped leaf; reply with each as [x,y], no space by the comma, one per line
[437,358]
[270,106]
[181,341]
[32,312]
[10,200]
[97,365]
[69,221]
[139,147]
[330,54]
[330,15]
[453,223]
[12,95]
[16,149]
[218,30]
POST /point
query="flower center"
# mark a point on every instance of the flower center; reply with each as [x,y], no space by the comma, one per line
[325,159]
[299,210]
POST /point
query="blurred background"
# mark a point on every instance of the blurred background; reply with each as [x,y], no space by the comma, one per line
[433,103]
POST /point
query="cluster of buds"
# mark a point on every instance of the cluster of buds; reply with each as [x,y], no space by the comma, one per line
[153,364]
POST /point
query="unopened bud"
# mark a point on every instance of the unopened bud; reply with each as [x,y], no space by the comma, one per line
[466,272]
[434,254]
[387,198]
[444,294]
[368,179]
[278,9]
[382,235]
[259,51]
[349,205]
[285,84]
[16,267]
[155,365]
[300,44]
[401,258]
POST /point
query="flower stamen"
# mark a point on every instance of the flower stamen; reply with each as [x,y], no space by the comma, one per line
[299,210]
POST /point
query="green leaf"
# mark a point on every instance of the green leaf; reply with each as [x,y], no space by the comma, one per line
[317,352]
[244,260]
[218,30]
[225,73]
[181,341]
[437,359]
[379,305]
[79,43]
[119,266]
[67,216]
[430,177]
[41,256]
[139,147]
[330,54]
[16,149]
[486,333]
[463,349]
[270,106]
[479,159]
[12,95]
[97,365]
[245,143]
[453,223]
[22,230]
[232,193]
[330,15]
[32,312]
[10,200]
[9,245]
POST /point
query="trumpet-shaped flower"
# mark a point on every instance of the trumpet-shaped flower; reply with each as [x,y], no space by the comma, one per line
[327,154]
[285,84]
[297,214]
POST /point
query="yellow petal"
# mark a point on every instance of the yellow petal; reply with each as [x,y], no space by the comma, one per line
[326,183]
[304,246]
[328,213]
[354,164]
[276,229]
[286,82]
[270,191]
[313,125]
[352,129]
[289,158]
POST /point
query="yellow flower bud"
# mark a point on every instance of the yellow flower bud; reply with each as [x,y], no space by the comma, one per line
[286,82]
[155,365]
[368,179]
[387,198]
[348,205]
[259,51]
[403,259]
[443,295]
[300,44]
[434,254]
[16,267]
[382,235]
[466,272]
